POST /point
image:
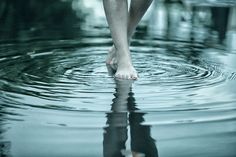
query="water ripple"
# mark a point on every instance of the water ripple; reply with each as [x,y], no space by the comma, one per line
[74,78]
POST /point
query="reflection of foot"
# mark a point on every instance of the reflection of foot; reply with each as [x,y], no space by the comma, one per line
[130,153]
[136,154]
[125,69]
[111,57]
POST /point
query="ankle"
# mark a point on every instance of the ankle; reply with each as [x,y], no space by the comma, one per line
[124,60]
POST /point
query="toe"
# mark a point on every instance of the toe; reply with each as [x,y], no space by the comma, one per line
[126,75]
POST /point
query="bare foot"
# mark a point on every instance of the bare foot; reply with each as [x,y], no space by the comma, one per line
[111,57]
[125,69]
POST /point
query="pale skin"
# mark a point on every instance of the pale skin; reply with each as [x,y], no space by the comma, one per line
[122,23]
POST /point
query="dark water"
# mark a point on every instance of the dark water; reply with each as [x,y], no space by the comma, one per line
[58,98]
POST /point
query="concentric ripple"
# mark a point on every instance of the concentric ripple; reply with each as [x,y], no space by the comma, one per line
[61,74]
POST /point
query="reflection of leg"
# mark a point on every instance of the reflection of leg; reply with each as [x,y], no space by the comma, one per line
[117,17]
[141,140]
[115,135]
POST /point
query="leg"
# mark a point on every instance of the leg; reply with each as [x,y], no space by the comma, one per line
[117,16]
[137,9]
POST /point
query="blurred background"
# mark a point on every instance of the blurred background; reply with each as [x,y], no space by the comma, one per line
[201,20]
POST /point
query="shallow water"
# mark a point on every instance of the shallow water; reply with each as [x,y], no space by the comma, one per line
[58,97]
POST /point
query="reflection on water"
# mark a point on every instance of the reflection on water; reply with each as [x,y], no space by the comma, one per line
[57,97]
[115,136]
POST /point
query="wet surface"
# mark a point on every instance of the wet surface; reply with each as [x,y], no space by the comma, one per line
[57,96]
